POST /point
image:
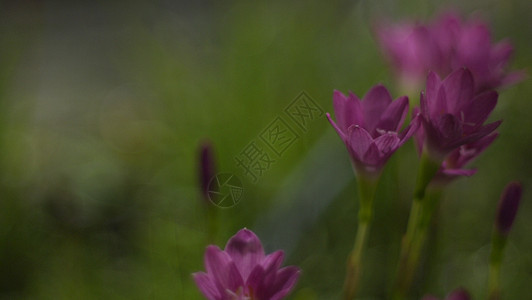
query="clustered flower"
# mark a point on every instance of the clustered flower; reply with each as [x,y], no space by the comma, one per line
[449,127]
[449,43]
[449,124]
[451,114]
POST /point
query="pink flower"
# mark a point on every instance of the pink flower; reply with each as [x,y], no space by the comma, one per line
[452,115]
[445,45]
[454,164]
[472,47]
[412,51]
[369,127]
[243,271]
[458,294]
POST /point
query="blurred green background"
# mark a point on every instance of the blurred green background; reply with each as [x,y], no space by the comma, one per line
[103,106]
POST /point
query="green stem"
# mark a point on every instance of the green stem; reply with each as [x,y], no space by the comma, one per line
[420,215]
[352,277]
[494,290]
[498,244]
[366,190]
[414,254]
[212,223]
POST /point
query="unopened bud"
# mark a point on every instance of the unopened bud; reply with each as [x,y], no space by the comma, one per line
[508,206]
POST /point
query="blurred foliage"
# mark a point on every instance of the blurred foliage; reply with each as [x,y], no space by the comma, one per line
[104,104]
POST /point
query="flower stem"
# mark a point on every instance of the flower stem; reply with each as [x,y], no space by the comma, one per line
[352,276]
[418,222]
[366,190]
[498,244]
[494,287]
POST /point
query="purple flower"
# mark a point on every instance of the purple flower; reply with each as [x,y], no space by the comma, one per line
[243,271]
[369,127]
[446,45]
[458,294]
[508,205]
[453,165]
[452,115]
[206,167]
[412,51]
[473,48]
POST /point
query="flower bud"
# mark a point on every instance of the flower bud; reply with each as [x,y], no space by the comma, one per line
[207,167]
[508,206]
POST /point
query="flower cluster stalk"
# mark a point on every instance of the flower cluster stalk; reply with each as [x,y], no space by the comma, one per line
[366,191]
[418,224]
[497,250]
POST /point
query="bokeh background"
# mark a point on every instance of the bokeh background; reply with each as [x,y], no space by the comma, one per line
[103,106]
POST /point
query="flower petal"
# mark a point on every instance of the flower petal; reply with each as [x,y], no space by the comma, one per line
[431,93]
[353,112]
[374,104]
[482,132]
[459,172]
[476,113]
[245,250]
[423,105]
[285,281]
[339,104]
[473,46]
[359,141]
[501,53]
[373,158]
[387,143]
[273,261]
[348,110]
[470,151]
[438,105]
[238,295]
[255,278]
[393,117]
[206,286]
[450,128]
[513,78]
[222,269]
[412,128]
[342,135]
[459,88]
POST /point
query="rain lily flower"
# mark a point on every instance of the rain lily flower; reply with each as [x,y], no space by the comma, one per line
[473,48]
[508,206]
[459,294]
[243,271]
[370,130]
[452,115]
[370,127]
[445,45]
[412,52]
